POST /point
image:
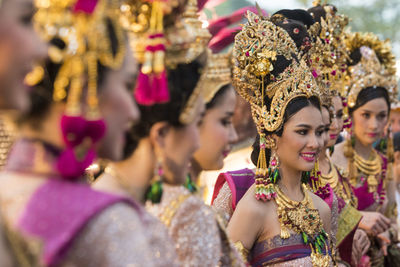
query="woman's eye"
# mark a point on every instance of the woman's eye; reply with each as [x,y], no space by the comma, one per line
[366,115]
[382,116]
[339,115]
[226,122]
[320,132]
[302,132]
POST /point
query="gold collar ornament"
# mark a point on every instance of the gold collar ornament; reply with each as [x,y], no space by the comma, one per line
[302,218]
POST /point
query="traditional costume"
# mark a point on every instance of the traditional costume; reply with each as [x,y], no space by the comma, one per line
[369,177]
[257,47]
[49,215]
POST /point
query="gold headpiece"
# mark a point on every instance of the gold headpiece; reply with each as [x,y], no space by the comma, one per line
[383,49]
[183,41]
[186,39]
[218,74]
[328,55]
[256,49]
[82,26]
[370,73]
[376,67]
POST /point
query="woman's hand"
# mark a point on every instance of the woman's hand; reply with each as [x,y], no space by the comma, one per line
[374,223]
[361,245]
[384,241]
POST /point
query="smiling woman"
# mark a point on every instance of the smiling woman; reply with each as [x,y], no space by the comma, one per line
[286,110]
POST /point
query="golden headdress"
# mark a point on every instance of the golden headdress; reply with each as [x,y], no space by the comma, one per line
[375,69]
[78,32]
[255,50]
[82,27]
[162,36]
[328,55]
[217,74]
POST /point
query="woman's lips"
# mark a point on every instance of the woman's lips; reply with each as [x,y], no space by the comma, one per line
[333,136]
[309,156]
[373,135]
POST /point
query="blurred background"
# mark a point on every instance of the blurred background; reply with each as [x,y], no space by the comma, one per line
[381,17]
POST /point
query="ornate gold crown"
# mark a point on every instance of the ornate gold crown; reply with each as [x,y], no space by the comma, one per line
[181,35]
[328,56]
[369,72]
[185,38]
[217,74]
[383,49]
[82,26]
[256,48]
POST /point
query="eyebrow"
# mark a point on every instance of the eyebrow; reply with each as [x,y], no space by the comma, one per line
[373,111]
[229,113]
[304,126]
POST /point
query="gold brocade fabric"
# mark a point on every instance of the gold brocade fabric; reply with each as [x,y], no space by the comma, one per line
[348,220]
[223,203]
[194,227]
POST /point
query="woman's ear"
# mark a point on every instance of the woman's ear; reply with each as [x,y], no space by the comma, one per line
[158,133]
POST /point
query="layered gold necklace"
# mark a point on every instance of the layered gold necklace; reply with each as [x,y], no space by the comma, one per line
[371,167]
[341,189]
[302,218]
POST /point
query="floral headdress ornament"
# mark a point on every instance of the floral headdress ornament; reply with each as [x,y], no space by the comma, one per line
[255,51]
[82,26]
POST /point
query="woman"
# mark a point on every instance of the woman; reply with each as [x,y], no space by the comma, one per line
[290,125]
[50,217]
[371,86]
[20,48]
[325,180]
[217,133]
[161,146]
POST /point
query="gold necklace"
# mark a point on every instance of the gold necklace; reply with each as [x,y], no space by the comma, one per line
[302,218]
[371,167]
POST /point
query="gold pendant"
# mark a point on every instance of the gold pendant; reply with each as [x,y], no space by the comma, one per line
[319,259]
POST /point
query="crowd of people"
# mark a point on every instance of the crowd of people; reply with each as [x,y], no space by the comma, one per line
[114,111]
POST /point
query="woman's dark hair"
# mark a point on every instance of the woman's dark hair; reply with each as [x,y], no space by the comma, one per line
[182,80]
[318,12]
[42,95]
[294,106]
[218,96]
[296,24]
[370,93]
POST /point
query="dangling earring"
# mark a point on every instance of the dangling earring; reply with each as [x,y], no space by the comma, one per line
[389,154]
[349,154]
[306,176]
[274,167]
[190,185]
[265,189]
[155,190]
